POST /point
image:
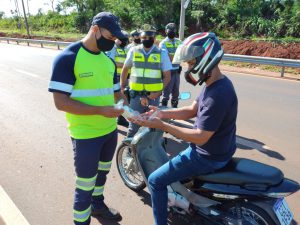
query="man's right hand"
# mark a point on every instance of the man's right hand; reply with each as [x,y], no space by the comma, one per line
[111,111]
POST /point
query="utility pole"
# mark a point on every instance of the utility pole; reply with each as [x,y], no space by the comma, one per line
[25,18]
[28,8]
[184,5]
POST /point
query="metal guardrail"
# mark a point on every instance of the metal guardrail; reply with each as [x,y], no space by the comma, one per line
[33,41]
[263,60]
[227,57]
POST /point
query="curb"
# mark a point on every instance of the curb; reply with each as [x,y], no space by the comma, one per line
[9,213]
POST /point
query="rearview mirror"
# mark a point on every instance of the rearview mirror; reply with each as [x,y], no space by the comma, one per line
[185,95]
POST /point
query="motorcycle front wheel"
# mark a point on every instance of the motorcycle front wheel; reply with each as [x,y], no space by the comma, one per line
[128,169]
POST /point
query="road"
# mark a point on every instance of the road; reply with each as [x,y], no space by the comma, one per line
[36,160]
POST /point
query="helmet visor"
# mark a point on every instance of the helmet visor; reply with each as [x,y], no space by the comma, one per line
[186,53]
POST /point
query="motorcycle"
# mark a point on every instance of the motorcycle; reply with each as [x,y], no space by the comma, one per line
[243,192]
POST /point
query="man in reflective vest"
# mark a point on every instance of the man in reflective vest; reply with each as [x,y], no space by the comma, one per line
[84,84]
[170,44]
[135,39]
[118,54]
[150,73]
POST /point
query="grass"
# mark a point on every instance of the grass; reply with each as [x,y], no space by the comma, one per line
[269,39]
[50,34]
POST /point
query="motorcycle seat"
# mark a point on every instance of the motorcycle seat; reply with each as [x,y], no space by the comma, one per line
[245,172]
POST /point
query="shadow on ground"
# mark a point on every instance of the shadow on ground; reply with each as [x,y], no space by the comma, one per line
[252,144]
[108,222]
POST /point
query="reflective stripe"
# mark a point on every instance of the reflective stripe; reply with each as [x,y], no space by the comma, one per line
[104,166]
[117,86]
[149,65]
[82,216]
[146,73]
[92,93]
[98,191]
[146,80]
[86,184]
[61,86]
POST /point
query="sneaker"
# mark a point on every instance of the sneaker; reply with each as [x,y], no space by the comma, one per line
[107,213]
[122,121]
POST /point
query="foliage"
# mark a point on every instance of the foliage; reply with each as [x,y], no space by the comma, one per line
[227,18]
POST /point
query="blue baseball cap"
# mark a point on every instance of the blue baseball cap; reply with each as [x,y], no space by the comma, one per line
[110,22]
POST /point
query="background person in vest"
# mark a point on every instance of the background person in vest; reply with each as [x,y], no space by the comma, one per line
[135,39]
[84,84]
[150,73]
[118,54]
[170,44]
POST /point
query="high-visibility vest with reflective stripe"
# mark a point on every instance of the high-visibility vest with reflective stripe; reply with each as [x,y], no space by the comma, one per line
[171,47]
[93,86]
[146,70]
[120,58]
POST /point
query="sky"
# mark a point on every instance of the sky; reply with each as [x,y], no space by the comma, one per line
[34,5]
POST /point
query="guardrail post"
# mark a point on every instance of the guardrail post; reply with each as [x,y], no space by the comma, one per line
[58,47]
[42,45]
[282,71]
[7,41]
[17,42]
[27,43]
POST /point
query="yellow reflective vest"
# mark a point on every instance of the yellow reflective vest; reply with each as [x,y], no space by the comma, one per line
[120,58]
[146,70]
[171,47]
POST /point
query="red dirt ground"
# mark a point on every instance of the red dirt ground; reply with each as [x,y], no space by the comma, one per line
[262,48]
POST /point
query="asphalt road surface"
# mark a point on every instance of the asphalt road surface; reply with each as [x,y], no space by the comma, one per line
[36,159]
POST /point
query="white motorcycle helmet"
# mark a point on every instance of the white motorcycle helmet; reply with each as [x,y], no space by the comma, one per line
[206,49]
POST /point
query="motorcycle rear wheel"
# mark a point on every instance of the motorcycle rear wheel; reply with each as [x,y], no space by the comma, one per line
[252,214]
[128,169]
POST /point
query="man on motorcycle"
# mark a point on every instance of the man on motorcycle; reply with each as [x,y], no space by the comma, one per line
[213,138]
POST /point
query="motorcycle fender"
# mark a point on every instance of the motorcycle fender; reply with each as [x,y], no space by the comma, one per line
[268,207]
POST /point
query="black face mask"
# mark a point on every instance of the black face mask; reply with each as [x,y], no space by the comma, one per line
[137,41]
[171,34]
[104,44]
[123,44]
[148,43]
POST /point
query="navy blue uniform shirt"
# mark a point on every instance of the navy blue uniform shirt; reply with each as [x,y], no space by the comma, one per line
[217,111]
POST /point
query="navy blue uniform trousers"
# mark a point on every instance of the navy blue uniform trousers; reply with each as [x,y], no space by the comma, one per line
[92,160]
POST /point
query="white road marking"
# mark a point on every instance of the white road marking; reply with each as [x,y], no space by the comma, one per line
[9,212]
[29,74]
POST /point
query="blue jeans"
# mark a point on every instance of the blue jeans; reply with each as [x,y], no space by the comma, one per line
[188,163]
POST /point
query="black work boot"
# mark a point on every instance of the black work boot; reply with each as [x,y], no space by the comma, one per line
[122,121]
[174,103]
[164,102]
[107,213]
